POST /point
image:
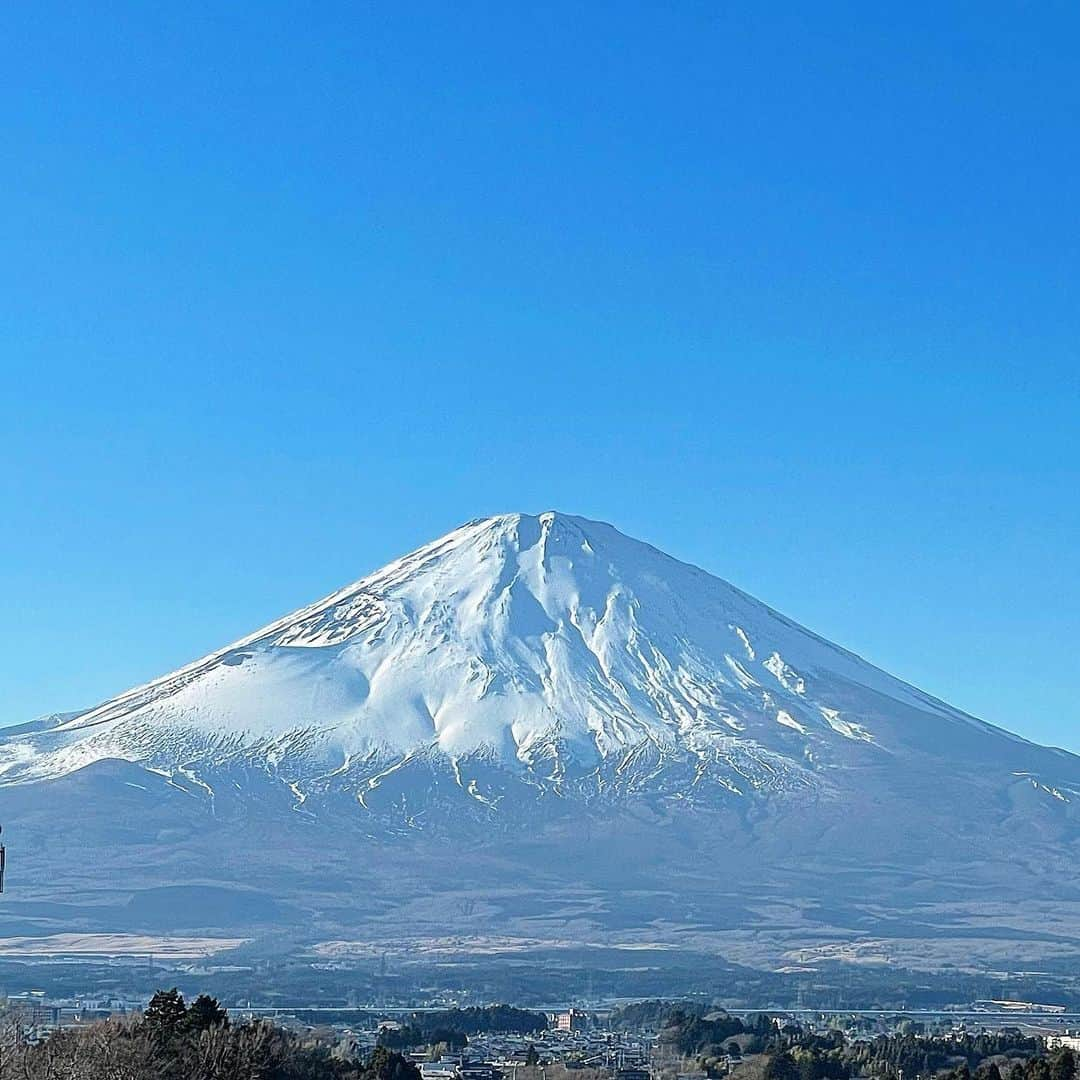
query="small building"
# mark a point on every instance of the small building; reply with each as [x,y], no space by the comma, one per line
[571,1020]
[478,1070]
[444,1069]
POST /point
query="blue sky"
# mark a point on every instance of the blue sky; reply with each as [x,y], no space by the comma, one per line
[792,294]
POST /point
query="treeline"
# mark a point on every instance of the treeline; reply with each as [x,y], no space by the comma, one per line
[412,1037]
[650,1014]
[478,1018]
[917,1055]
[175,1041]
[1000,1055]
[792,1053]
[1059,1064]
[451,1028]
[709,1035]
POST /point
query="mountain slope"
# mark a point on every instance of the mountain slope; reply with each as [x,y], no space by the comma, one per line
[579,707]
[548,639]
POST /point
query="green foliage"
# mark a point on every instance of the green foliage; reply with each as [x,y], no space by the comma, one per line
[410,1036]
[406,1037]
[476,1018]
[168,1016]
[692,1033]
[204,1013]
[453,1040]
[828,1057]
[386,1064]
[823,1059]
[165,1016]
[650,1014]
[781,1066]
[452,1027]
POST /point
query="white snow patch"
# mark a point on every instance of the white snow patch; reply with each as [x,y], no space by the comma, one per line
[785,675]
[788,720]
[745,640]
[745,679]
[848,728]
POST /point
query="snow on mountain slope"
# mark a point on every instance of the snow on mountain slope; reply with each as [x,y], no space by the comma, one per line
[550,648]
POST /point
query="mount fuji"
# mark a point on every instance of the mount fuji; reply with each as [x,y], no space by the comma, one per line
[537,729]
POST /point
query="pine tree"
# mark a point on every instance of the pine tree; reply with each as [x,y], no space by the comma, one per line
[205,1013]
[780,1067]
[165,1015]
[385,1064]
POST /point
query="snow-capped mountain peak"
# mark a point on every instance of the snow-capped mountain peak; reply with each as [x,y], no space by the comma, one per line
[552,646]
[612,735]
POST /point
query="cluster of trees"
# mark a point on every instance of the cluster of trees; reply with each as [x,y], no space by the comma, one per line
[791,1053]
[1060,1064]
[448,1030]
[412,1036]
[923,1055]
[477,1018]
[708,1035]
[1001,1055]
[652,1014]
[176,1041]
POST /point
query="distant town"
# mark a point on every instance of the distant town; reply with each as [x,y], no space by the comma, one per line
[644,1040]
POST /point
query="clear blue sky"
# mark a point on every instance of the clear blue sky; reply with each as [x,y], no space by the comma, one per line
[791,291]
